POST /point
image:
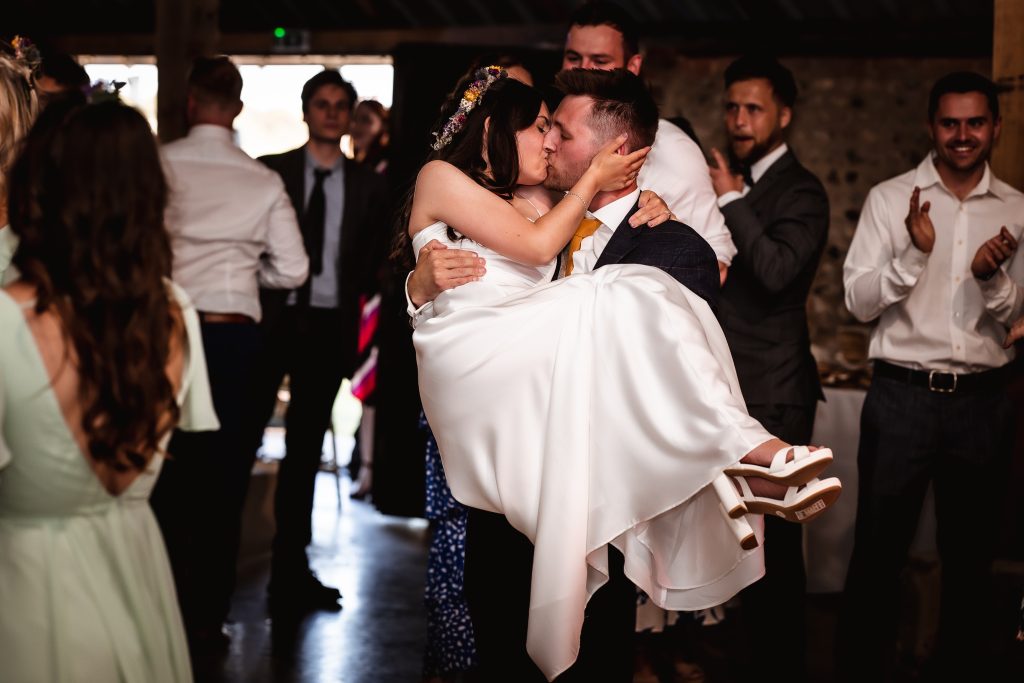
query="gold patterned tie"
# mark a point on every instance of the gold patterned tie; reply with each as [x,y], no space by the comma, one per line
[587,227]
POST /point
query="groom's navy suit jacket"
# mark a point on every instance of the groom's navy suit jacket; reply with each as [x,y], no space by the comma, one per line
[672,247]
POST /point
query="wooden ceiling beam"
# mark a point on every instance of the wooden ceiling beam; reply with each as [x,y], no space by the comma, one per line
[945,39]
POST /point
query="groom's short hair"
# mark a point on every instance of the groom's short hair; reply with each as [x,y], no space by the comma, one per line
[622,103]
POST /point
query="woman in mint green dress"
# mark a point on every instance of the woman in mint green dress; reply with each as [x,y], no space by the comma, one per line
[100,356]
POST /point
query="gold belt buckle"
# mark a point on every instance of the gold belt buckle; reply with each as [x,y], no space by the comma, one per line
[940,390]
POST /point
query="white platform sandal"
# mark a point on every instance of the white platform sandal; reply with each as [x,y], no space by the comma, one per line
[801,503]
[805,466]
[734,511]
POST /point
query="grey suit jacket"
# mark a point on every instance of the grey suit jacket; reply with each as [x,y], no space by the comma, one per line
[780,228]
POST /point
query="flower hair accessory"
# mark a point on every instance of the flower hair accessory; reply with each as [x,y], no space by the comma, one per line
[485,77]
[26,52]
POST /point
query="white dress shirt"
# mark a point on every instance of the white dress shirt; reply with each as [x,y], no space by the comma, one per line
[676,170]
[933,314]
[323,292]
[757,171]
[231,223]
[610,215]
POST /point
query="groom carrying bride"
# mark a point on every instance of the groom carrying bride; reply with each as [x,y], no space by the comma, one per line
[499,559]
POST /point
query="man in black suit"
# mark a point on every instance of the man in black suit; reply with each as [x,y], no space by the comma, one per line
[312,332]
[598,105]
[777,212]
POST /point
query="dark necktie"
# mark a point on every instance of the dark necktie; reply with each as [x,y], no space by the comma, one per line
[748,177]
[313,222]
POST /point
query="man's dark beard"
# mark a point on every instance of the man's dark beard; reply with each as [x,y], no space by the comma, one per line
[757,152]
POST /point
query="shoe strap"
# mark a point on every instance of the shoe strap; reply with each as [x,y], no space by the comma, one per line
[745,492]
[779,459]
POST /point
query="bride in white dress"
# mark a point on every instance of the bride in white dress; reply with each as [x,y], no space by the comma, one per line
[595,410]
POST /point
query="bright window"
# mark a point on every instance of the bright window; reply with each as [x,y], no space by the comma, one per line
[271,120]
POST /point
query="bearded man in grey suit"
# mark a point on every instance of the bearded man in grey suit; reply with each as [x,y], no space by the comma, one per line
[777,212]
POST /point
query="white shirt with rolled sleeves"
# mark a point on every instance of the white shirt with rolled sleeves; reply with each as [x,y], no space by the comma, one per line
[933,314]
[676,170]
[232,225]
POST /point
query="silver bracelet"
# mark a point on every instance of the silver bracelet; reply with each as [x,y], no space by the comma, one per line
[570,193]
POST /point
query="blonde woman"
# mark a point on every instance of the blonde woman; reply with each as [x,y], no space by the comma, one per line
[17,111]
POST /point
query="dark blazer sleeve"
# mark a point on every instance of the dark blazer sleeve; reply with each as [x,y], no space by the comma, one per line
[697,269]
[679,251]
[775,253]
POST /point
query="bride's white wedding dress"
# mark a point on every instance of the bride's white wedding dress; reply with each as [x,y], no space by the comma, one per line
[590,411]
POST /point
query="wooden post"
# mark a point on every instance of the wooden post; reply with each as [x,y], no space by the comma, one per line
[185,29]
[1008,72]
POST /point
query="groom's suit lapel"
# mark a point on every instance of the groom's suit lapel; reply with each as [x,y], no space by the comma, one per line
[621,242]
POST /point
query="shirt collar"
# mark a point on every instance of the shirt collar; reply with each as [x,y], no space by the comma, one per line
[209,131]
[927,175]
[312,164]
[759,167]
[614,213]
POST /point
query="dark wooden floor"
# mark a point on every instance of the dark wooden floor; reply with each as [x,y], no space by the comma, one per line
[379,564]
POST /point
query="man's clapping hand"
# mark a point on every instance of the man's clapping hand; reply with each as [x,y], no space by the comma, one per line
[919,223]
[992,253]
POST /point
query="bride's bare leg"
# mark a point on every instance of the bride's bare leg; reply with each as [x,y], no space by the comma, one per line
[766,489]
[763,454]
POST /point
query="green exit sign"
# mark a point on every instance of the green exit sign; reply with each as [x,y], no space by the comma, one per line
[290,40]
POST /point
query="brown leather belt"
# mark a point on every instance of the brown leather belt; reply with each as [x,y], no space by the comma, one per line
[234,318]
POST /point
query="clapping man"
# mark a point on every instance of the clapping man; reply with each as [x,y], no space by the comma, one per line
[931,264]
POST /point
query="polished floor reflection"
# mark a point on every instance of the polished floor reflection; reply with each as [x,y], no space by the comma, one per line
[377,562]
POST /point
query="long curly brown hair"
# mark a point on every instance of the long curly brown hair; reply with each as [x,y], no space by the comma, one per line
[87,198]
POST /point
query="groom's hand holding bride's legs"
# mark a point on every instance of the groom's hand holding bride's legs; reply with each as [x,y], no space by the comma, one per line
[439,268]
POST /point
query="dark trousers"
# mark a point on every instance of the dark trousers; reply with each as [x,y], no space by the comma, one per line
[199,496]
[303,344]
[910,437]
[499,563]
[773,608]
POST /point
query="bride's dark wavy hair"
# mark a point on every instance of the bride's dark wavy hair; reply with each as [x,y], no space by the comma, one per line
[87,198]
[511,106]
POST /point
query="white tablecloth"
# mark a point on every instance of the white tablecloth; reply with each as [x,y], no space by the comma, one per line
[828,540]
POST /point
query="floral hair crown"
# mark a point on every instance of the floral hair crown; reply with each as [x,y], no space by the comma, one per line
[26,53]
[23,57]
[484,78]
